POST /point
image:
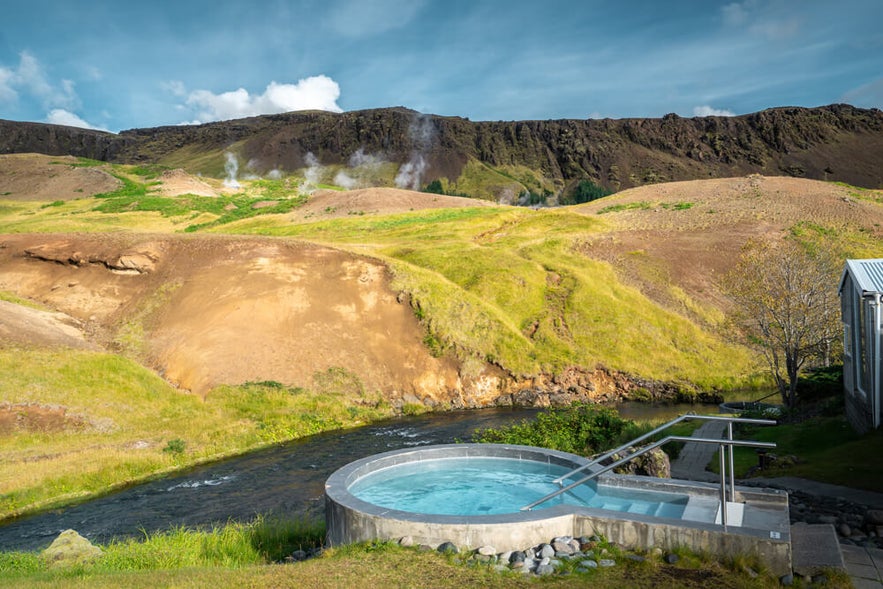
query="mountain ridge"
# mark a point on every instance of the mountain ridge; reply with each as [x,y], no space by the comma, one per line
[835,142]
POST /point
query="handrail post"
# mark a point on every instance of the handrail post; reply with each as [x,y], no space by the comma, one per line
[723,487]
[732,468]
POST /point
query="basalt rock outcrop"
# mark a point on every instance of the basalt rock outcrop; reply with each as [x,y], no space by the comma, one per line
[836,142]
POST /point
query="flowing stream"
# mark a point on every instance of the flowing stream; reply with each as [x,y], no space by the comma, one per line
[286,480]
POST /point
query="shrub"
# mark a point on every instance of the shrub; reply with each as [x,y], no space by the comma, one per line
[175,446]
[581,428]
[586,191]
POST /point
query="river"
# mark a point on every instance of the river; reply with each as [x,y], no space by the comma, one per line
[286,480]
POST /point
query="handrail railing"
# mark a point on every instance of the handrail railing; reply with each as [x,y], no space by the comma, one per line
[655,431]
[724,443]
[644,450]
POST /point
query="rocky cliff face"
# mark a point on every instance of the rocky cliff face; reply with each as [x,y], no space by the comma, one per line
[837,142]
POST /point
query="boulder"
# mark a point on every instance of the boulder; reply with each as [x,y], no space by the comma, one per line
[654,463]
[70,548]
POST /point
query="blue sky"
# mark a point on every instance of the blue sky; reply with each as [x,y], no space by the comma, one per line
[120,65]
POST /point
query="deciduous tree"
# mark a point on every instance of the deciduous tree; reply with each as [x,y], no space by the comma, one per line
[786,304]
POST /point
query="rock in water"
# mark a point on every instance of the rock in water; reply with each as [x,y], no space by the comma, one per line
[70,548]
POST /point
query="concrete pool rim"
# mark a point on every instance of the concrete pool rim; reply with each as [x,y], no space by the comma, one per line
[337,485]
[350,519]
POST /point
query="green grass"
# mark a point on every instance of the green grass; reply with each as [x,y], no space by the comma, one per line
[134,197]
[509,286]
[135,205]
[239,555]
[640,205]
[827,450]
[13,298]
[124,417]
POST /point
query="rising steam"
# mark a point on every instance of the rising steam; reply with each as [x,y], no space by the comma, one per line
[312,175]
[422,133]
[231,168]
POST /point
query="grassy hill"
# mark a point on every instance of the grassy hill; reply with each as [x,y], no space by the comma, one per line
[284,313]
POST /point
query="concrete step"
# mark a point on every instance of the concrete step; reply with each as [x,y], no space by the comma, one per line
[813,547]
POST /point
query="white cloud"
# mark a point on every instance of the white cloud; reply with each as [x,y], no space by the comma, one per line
[774,21]
[365,18]
[736,14]
[869,95]
[60,116]
[175,87]
[708,111]
[29,79]
[7,92]
[313,93]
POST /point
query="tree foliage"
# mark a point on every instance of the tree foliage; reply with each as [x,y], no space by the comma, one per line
[581,428]
[586,191]
[787,306]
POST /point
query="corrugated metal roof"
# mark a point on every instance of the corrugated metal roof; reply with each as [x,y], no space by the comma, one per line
[867,274]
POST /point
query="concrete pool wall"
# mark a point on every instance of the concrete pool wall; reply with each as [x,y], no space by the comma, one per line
[762,525]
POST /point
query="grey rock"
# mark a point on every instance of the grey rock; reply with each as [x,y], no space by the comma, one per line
[299,555]
[448,548]
[505,556]
[844,530]
[546,560]
[606,562]
[546,551]
[786,580]
[635,557]
[406,541]
[487,551]
[501,568]
[588,564]
[562,547]
[544,570]
[671,558]
[517,556]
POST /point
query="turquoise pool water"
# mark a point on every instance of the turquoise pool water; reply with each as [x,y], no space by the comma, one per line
[489,486]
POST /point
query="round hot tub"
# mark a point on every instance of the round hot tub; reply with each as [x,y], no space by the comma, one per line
[469,494]
[472,495]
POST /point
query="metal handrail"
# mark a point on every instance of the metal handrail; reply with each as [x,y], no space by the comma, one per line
[659,429]
[644,450]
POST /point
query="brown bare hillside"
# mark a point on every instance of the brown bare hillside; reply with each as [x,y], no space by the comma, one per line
[327,204]
[35,177]
[177,182]
[210,310]
[687,234]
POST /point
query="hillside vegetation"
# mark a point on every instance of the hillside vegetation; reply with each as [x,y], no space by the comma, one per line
[207,324]
[500,160]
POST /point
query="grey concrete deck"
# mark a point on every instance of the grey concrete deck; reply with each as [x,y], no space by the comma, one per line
[865,566]
[812,546]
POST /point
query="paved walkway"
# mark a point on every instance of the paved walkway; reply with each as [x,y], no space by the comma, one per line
[691,462]
[864,565]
